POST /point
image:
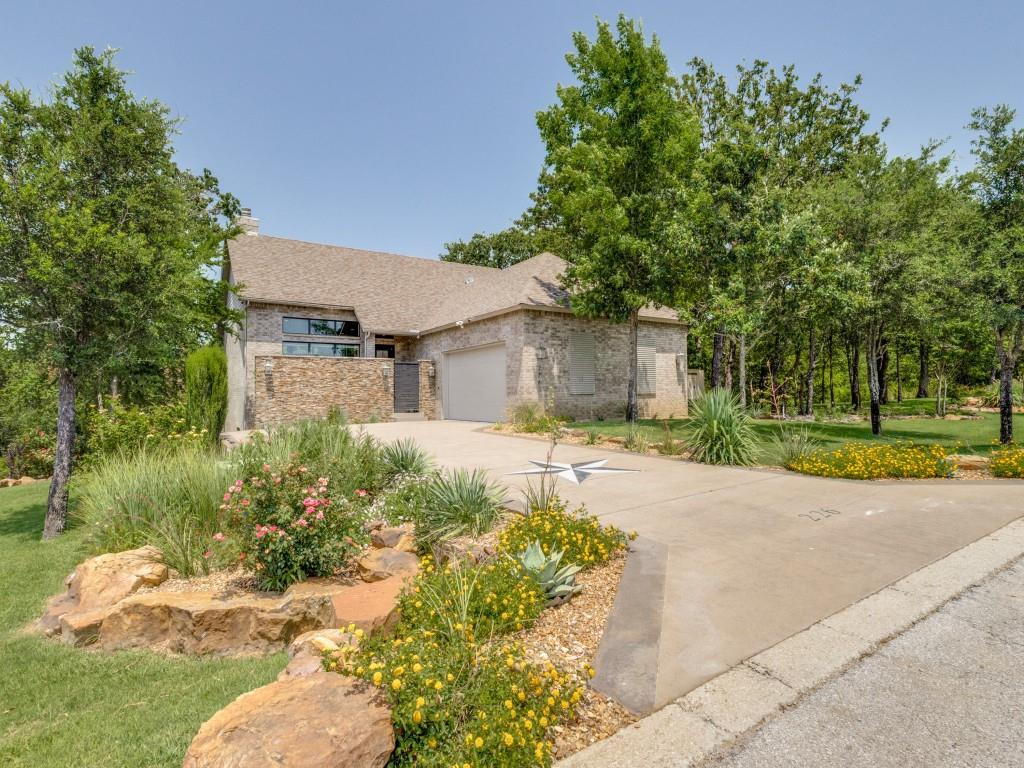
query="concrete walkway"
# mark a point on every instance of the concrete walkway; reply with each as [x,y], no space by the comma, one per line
[948,693]
[731,561]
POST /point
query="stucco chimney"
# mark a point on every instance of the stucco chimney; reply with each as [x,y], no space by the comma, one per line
[249,224]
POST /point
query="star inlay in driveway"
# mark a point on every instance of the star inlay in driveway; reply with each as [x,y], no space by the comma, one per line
[574,473]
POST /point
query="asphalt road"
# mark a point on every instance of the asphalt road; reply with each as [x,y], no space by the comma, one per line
[947,693]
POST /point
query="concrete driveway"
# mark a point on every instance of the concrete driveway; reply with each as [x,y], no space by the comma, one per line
[731,561]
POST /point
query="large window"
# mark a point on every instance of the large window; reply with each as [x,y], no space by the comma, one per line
[305,326]
[319,349]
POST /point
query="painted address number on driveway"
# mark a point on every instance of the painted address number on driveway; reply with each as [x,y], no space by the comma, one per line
[817,515]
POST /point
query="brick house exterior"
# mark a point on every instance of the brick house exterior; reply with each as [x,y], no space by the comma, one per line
[375,334]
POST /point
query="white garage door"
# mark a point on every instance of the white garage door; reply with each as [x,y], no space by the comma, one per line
[475,384]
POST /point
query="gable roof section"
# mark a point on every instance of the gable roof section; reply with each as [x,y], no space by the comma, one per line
[391,293]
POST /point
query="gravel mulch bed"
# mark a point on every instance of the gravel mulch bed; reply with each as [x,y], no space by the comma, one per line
[226,583]
[568,636]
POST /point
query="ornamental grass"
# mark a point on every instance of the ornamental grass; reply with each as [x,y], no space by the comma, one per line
[873,461]
[1007,462]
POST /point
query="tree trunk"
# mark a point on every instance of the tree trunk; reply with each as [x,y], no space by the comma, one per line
[716,358]
[743,369]
[631,406]
[1007,352]
[882,361]
[730,349]
[853,361]
[899,379]
[831,373]
[812,362]
[922,370]
[57,503]
[874,343]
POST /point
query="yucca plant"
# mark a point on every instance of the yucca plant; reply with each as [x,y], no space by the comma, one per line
[539,496]
[405,457]
[559,584]
[719,430]
[459,503]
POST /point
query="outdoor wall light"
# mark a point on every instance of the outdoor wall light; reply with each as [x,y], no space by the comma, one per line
[385,370]
[268,367]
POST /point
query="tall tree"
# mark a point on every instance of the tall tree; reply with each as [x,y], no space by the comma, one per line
[523,240]
[997,268]
[103,239]
[620,149]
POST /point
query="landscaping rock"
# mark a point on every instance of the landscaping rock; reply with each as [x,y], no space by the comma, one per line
[319,641]
[26,480]
[460,550]
[303,665]
[101,582]
[202,623]
[400,537]
[969,461]
[372,607]
[82,627]
[321,721]
[380,564]
[7,482]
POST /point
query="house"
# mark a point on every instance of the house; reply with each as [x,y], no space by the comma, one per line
[383,336]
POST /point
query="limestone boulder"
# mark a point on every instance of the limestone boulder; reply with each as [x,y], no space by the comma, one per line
[203,623]
[316,721]
[370,606]
[380,564]
[969,461]
[303,665]
[101,582]
[400,537]
[319,641]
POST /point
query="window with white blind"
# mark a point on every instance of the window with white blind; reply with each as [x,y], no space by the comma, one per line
[582,363]
[646,365]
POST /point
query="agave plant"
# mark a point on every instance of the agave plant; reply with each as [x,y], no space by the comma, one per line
[559,584]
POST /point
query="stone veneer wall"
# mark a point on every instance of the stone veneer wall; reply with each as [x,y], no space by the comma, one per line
[309,387]
[546,378]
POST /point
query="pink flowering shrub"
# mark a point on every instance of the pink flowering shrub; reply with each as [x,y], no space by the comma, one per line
[288,525]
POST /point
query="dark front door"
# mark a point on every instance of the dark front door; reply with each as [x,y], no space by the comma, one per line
[407,387]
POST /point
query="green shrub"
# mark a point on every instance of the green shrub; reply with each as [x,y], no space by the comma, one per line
[405,457]
[165,496]
[592,436]
[206,390]
[326,448]
[119,428]
[579,536]
[30,455]
[990,398]
[871,461]
[459,503]
[790,445]
[401,502]
[668,445]
[288,525]
[1007,461]
[719,430]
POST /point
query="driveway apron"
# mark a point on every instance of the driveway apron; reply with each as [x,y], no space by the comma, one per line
[731,561]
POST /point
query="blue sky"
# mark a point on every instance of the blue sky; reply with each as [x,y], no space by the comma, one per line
[402,125]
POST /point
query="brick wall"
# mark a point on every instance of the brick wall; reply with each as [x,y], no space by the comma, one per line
[545,378]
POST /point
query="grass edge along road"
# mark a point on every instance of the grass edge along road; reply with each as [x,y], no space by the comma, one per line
[63,707]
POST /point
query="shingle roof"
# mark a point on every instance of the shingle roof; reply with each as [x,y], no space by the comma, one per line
[391,293]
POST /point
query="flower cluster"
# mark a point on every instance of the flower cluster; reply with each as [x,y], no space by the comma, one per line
[1007,461]
[289,525]
[871,461]
[582,539]
[456,702]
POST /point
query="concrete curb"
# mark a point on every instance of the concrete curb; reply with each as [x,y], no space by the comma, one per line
[709,718]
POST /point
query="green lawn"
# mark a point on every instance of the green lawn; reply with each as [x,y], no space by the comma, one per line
[62,707]
[972,436]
